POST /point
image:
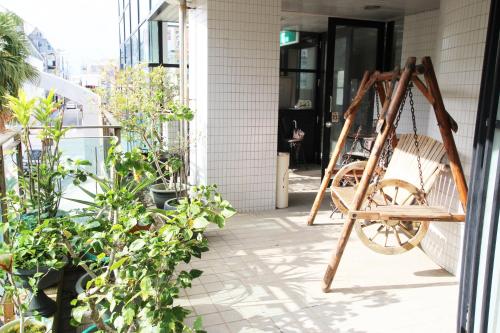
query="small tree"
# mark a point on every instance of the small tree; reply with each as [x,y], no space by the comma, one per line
[14,69]
[143,102]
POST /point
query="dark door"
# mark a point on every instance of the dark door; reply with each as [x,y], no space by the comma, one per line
[353,47]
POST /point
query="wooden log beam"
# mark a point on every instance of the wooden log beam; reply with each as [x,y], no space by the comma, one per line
[445,128]
[388,76]
[379,87]
[366,83]
[378,147]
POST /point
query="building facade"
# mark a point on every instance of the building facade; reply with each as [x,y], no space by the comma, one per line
[54,60]
[148,33]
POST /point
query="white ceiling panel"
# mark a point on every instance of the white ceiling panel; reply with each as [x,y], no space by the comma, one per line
[312,15]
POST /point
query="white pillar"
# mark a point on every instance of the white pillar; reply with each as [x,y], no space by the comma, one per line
[234,81]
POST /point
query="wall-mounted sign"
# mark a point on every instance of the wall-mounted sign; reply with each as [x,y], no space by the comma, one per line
[288,37]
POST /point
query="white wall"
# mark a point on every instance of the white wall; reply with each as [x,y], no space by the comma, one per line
[454,36]
[234,73]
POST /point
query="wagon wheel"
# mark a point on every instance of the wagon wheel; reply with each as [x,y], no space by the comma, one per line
[393,236]
[349,176]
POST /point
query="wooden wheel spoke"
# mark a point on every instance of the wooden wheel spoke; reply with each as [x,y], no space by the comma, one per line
[397,235]
[377,232]
[406,231]
[386,235]
[394,200]
[384,196]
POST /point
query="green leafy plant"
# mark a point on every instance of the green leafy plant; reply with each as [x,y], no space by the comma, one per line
[14,69]
[42,175]
[135,279]
[143,101]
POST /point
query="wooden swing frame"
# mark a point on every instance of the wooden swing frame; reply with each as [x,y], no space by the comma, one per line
[391,97]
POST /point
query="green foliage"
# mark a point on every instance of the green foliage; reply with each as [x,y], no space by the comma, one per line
[143,100]
[14,50]
[27,246]
[41,180]
[136,278]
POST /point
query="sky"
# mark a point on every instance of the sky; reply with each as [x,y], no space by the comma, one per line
[86,30]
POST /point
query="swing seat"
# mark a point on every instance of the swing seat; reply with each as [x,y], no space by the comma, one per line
[402,166]
[408,213]
[398,207]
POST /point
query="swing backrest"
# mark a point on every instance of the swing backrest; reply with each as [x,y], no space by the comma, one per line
[403,164]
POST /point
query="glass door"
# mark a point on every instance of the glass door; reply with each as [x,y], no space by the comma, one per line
[354,46]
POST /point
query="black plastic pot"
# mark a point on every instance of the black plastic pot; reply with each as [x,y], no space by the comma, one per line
[40,303]
[161,194]
[171,204]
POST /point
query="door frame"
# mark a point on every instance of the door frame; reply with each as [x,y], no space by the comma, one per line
[480,240]
[383,61]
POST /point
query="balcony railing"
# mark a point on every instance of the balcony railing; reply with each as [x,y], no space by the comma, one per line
[86,142]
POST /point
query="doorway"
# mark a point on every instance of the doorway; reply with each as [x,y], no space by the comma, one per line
[353,46]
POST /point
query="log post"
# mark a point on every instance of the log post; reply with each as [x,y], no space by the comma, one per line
[378,147]
[351,114]
[445,128]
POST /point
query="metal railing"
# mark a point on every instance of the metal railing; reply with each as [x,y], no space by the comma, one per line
[89,142]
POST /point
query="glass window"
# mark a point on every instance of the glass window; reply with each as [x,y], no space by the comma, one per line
[135,48]
[297,90]
[128,58]
[134,15]
[154,46]
[308,58]
[127,22]
[300,56]
[122,55]
[143,10]
[122,30]
[170,35]
[144,43]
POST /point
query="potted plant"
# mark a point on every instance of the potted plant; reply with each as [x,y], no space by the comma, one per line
[38,199]
[144,104]
[13,289]
[136,288]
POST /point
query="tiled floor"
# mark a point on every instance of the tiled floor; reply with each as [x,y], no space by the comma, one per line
[263,274]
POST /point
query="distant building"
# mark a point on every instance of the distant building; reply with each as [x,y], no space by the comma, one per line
[55,62]
[149,33]
[97,74]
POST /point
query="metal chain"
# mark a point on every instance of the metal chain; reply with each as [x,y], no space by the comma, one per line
[351,151]
[415,140]
[377,102]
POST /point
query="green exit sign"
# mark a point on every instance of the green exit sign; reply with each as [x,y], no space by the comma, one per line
[288,37]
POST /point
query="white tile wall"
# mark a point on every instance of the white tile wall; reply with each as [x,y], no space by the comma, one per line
[236,100]
[419,40]
[455,37]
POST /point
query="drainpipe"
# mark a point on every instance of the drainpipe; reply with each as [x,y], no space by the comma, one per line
[182,51]
[183,87]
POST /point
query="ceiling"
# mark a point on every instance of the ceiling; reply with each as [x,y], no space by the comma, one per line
[312,15]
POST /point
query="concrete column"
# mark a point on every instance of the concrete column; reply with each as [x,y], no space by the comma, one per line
[234,86]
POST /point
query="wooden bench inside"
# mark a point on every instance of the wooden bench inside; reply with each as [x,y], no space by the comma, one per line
[407,213]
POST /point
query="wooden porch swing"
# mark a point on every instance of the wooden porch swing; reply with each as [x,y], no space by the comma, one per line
[393,200]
